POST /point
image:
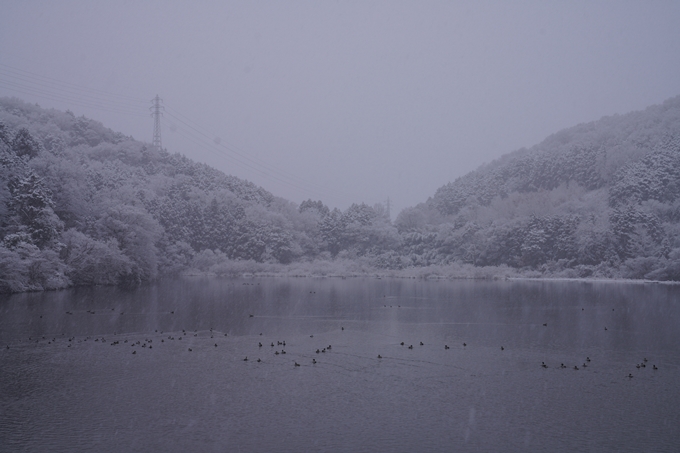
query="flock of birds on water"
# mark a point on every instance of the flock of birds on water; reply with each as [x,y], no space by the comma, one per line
[148,343]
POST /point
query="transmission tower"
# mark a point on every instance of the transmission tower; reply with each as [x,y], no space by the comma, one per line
[156,112]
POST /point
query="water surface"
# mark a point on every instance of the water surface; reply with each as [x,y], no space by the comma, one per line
[66,385]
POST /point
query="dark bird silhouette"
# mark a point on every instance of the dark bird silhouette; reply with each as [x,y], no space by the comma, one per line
[297,364]
[379,356]
[421,343]
[314,361]
[134,352]
[402,343]
[544,365]
[502,348]
[258,360]
[654,367]
[246,359]
[446,346]
[410,347]
[464,344]
[545,324]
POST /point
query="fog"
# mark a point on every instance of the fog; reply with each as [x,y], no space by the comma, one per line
[342,101]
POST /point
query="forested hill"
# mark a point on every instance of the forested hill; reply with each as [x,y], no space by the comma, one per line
[601,198]
[83,205]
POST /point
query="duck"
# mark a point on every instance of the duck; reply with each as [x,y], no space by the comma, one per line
[587,359]
[654,367]
[246,359]
[190,349]
[297,364]
[259,360]
[446,346]
[410,347]
[402,343]
[317,351]
[502,348]
[464,344]
[575,367]
[314,361]
[379,356]
[422,344]
[134,352]
[259,345]
[545,324]
[630,375]
[276,353]
[544,365]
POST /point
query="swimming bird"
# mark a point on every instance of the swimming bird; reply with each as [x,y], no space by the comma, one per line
[645,359]
[215,344]
[313,360]
[297,364]
[545,324]
[317,351]
[134,352]
[259,345]
[379,356]
[189,349]
[637,366]
[654,367]
[587,359]
[258,360]
[605,328]
[342,328]
[464,344]
[402,343]
[276,353]
[422,344]
[246,359]
[329,347]
[446,346]
[502,348]
[544,365]
[575,367]
[410,347]
[630,375]
[252,316]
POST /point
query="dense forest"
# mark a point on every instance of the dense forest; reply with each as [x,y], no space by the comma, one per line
[83,205]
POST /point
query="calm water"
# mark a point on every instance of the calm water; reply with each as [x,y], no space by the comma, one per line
[93,394]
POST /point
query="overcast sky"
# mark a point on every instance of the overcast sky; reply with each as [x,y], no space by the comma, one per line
[343,101]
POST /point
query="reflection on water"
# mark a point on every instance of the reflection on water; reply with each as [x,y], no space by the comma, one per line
[104,369]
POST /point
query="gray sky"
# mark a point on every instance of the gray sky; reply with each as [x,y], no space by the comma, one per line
[343,101]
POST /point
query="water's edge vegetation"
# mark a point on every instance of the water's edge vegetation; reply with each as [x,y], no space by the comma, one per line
[83,205]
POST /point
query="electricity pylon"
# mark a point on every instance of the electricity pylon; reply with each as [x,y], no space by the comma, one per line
[156,112]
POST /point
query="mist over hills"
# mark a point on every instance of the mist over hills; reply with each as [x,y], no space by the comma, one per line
[81,205]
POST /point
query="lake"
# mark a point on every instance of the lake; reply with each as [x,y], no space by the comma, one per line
[162,367]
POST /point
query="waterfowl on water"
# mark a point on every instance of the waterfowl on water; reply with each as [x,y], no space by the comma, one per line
[258,360]
[410,347]
[283,351]
[134,352]
[317,351]
[379,356]
[637,366]
[189,349]
[215,344]
[246,359]
[329,347]
[575,367]
[276,353]
[630,375]
[544,365]
[502,348]
[545,324]
[402,343]
[654,367]
[587,359]
[297,364]
[259,345]
[446,346]
[342,328]
[313,360]
[422,344]
[645,359]
[605,328]
[464,344]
